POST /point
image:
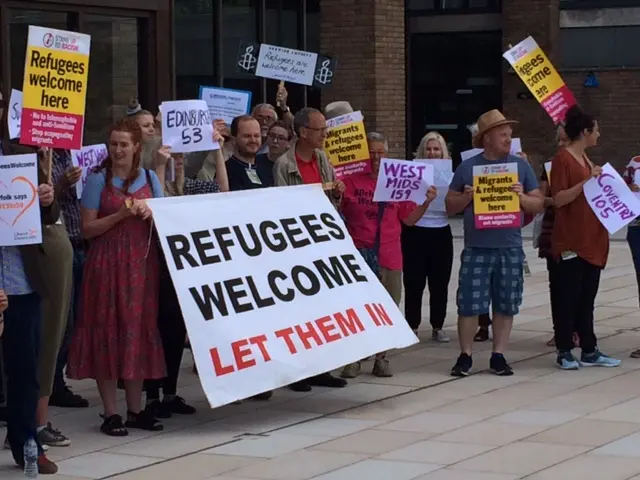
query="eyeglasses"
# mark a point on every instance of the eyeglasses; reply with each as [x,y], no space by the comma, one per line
[323,129]
[278,138]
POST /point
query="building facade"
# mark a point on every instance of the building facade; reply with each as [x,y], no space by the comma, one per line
[411,66]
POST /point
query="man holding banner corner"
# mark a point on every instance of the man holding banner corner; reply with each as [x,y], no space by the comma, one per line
[306,163]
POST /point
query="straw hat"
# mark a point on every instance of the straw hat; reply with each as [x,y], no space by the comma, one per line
[335,109]
[487,121]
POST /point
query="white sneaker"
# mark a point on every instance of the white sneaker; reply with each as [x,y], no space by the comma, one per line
[439,336]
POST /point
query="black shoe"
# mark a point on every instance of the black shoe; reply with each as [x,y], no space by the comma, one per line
[65,398]
[263,396]
[462,366]
[327,380]
[158,409]
[301,386]
[499,365]
[178,406]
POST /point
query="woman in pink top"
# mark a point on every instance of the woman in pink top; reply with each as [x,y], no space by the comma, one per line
[375,229]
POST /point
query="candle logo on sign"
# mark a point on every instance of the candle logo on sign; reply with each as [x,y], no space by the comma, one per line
[247,59]
[324,74]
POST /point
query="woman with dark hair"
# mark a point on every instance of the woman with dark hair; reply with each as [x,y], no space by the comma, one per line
[579,245]
[117,334]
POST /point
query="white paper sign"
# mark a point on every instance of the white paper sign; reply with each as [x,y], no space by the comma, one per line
[611,200]
[351,117]
[87,158]
[272,298]
[19,203]
[226,104]
[547,169]
[516,148]
[15,114]
[442,176]
[403,180]
[187,126]
[288,64]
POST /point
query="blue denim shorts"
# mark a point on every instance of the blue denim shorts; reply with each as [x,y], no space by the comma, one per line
[490,276]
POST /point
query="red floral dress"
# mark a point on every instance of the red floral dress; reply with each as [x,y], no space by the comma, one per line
[116,335]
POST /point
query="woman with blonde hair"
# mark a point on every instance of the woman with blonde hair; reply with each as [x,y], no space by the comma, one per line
[427,253]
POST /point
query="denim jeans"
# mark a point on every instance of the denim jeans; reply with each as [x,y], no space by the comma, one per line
[78,267]
[21,345]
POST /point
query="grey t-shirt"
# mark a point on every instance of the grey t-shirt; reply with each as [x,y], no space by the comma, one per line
[491,237]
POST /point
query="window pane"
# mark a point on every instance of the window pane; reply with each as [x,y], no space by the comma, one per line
[19,21]
[194,43]
[240,24]
[313,45]
[113,72]
[451,4]
[421,4]
[599,47]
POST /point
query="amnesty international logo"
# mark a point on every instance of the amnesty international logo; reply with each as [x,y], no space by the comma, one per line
[325,71]
[248,58]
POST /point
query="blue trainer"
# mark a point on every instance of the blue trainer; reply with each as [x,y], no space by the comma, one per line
[599,359]
[566,361]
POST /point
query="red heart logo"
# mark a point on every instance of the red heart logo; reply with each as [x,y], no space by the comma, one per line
[12,209]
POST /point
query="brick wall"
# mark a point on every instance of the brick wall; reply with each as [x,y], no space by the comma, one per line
[540,19]
[368,37]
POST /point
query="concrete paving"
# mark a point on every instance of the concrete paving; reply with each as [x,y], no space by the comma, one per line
[421,424]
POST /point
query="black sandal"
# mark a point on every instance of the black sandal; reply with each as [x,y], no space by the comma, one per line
[482,335]
[113,426]
[143,421]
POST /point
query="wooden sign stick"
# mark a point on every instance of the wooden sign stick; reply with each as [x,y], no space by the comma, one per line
[49,164]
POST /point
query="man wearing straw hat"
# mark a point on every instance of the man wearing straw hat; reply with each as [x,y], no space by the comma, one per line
[491,269]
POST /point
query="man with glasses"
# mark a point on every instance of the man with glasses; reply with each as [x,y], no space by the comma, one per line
[303,164]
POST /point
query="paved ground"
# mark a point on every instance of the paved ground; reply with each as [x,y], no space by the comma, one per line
[421,424]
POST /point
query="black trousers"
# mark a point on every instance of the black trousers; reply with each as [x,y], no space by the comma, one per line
[173,333]
[427,255]
[574,286]
[21,347]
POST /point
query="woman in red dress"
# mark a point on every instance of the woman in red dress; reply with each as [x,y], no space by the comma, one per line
[117,335]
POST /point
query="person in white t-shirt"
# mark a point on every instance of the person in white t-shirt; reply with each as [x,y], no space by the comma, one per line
[427,252]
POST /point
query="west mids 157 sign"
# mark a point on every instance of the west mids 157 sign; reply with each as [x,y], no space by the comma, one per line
[269,300]
[286,64]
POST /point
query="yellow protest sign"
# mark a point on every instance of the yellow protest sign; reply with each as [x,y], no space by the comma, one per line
[494,204]
[346,145]
[541,78]
[55,88]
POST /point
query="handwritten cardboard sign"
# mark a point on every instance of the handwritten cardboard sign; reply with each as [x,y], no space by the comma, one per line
[403,180]
[442,176]
[611,200]
[265,308]
[87,158]
[286,64]
[495,205]
[14,116]
[19,204]
[187,126]
[346,145]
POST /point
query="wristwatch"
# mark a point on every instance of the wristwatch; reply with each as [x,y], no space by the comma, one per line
[285,109]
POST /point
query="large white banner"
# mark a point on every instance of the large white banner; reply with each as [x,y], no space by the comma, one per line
[272,298]
[611,200]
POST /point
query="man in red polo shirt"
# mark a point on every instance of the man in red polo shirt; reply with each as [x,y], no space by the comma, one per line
[303,164]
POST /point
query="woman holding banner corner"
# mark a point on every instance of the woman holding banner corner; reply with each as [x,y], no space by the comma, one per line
[375,229]
[117,334]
